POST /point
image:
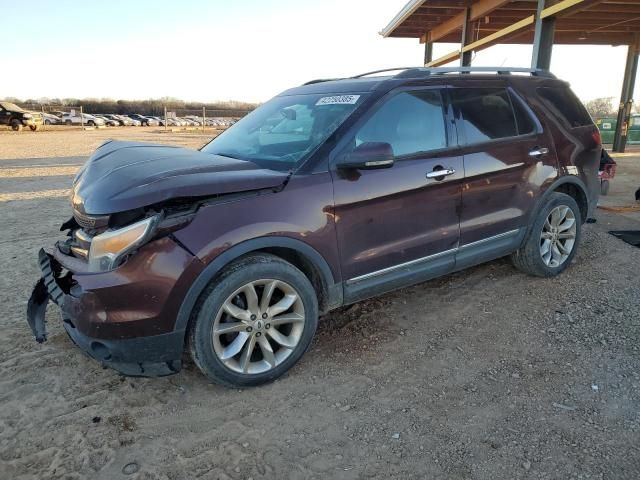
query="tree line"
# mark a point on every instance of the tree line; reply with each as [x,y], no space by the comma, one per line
[605,107]
[232,108]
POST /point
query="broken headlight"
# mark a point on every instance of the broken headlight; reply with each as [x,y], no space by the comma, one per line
[109,248]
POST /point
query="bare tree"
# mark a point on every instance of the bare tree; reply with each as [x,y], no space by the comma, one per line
[600,107]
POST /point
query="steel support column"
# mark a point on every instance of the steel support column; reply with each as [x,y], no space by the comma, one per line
[428,52]
[626,98]
[467,38]
[544,30]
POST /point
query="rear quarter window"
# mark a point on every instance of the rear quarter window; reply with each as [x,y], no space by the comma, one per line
[565,105]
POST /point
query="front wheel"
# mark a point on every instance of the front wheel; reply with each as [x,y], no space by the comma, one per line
[254,322]
[33,127]
[553,239]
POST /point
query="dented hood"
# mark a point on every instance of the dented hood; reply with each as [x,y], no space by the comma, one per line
[122,176]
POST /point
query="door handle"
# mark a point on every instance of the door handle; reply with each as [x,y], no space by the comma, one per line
[538,151]
[441,173]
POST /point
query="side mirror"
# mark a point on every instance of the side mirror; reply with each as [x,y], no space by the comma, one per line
[369,156]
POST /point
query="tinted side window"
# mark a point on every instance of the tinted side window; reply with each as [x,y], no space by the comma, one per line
[524,122]
[565,105]
[486,113]
[410,122]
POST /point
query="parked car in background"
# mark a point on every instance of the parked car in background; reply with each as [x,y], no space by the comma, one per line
[132,121]
[195,120]
[50,119]
[329,194]
[73,118]
[160,120]
[189,122]
[145,121]
[108,121]
[16,118]
[122,121]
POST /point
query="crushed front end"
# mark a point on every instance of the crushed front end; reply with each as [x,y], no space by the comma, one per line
[119,281]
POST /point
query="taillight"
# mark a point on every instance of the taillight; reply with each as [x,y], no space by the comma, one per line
[597,137]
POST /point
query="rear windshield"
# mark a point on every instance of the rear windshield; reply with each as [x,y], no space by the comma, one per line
[565,105]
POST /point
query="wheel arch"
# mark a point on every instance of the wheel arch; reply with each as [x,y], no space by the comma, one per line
[304,257]
[578,192]
[570,185]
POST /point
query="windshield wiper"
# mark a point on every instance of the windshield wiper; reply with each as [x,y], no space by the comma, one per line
[227,155]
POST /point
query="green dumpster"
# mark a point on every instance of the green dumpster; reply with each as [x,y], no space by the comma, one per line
[607,127]
[634,130]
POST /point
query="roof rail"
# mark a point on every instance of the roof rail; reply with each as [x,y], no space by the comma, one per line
[384,70]
[411,72]
[320,80]
[426,71]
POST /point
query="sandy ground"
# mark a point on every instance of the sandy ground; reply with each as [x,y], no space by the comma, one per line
[484,374]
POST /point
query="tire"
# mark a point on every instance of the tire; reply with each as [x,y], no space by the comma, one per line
[67,122]
[530,257]
[33,127]
[91,123]
[16,125]
[604,187]
[47,122]
[261,271]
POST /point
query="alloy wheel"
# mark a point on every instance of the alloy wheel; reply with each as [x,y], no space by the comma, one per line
[558,236]
[258,326]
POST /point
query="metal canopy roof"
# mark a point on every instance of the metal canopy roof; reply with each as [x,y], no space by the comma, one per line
[608,22]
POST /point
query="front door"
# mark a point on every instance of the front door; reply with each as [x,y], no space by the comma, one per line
[400,225]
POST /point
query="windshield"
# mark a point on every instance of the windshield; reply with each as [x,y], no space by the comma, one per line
[11,106]
[280,133]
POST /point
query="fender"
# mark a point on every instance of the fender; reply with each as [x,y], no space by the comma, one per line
[565,179]
[333,288]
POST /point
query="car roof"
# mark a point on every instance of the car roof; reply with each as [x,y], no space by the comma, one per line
[443,76]
[346,85]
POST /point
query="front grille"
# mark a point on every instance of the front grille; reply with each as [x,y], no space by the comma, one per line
[91,222]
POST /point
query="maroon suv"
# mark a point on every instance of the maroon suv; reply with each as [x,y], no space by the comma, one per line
[328,194]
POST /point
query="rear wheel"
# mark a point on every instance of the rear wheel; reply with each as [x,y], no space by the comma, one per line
[16,125]
[67,122]
[254,322]
[553,239]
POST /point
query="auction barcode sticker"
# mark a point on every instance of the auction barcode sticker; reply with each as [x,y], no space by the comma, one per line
[338,100]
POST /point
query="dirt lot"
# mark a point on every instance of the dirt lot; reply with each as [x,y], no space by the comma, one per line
[484,374]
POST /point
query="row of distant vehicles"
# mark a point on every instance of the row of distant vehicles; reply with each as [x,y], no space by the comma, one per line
[136,120]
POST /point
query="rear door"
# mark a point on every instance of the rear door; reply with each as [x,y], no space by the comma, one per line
[507,159]
[397,226]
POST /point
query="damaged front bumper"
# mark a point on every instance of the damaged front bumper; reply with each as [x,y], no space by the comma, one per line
[123,319]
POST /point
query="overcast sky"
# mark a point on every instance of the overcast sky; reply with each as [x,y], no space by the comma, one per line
[224,49]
